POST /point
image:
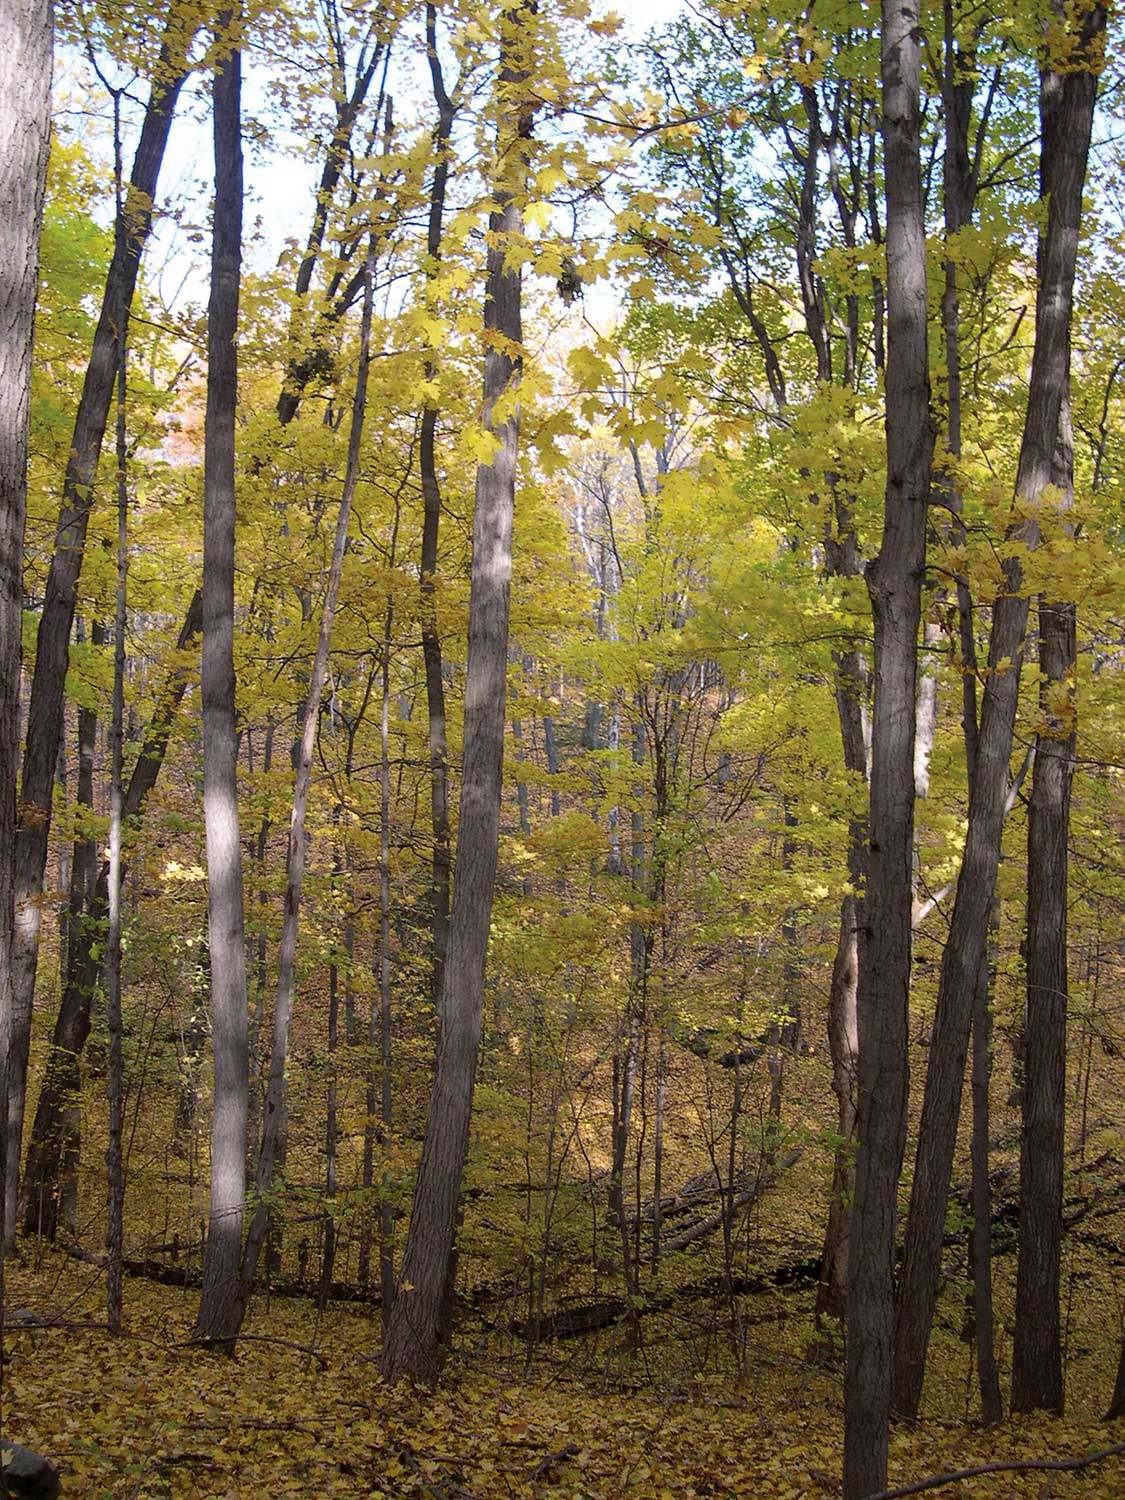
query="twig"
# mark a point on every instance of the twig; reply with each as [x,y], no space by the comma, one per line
[1015,1466]
[545,1465]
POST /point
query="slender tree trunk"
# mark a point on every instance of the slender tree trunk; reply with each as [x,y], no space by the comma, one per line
[221,1303]
[47,1187]
[303,359]
[959,189]
[386,1081]
[115,1085]
[48,684]
[48,1195]
[193,1044]
[658,1153]
[431,522]
[1037,1365]
[988,1377]
[275,1110]
[257,1005]
[330,1131]
[417,1339]
[1066,106]
[843,1043]
[895,586]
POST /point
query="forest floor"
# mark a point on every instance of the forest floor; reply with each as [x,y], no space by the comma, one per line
[301,1410]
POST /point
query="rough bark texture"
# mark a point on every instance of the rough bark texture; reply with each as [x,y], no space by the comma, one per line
[53,641]
[1066,106]
[895,586]
[417,1339]
[1037,1365]
[220,1306]
[26,61]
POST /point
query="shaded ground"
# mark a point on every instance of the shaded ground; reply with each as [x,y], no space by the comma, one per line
[146,1416]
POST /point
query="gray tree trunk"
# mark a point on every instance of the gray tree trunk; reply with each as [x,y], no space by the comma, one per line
[220,1307]
[895,587]
[417,1339]
[275,1102]
[48,1193]
[115,1071]
[48,684]
[26,63]
[1066,107]
[431,522]
[1037,1366]
[47,1185]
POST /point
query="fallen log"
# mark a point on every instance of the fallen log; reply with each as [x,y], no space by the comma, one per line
[1013,1466]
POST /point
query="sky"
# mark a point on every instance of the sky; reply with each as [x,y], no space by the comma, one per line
[279,182]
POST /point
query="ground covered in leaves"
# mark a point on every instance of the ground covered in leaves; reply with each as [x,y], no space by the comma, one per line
[301,1411]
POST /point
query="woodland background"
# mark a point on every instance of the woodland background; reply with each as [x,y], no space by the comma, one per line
[652,1227]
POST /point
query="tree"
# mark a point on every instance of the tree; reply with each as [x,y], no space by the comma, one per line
[417,1339]
[26,63]
[220,1304]
[275,1104]
[1037,1362]
[45,709]
[1066,110]
[895,584]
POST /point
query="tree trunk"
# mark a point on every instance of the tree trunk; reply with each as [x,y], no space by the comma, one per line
[895,586]
[47,1188]
[417,1340]
[53,642]
[1067,106]
[843,1042]
[1037,1366]
[49,1192]
[431,522]
[386,1089]
[26,62]
[221,1303]
[275,1103]
[1117,1400]
[115,1080]
[988,1378]
[330,1132]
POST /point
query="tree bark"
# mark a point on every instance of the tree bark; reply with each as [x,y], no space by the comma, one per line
[843,1042]
[895,586]
[47,1185]
[49,1194]
[26,65]
[275,1111]
[431,522]
[1117,1400]
[53,642]
[221,1303]
[1066,108]
[417,1339]
[115,1080]
[988,1378]
[1037,1365]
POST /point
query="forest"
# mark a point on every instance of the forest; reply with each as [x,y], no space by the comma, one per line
[562,635]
